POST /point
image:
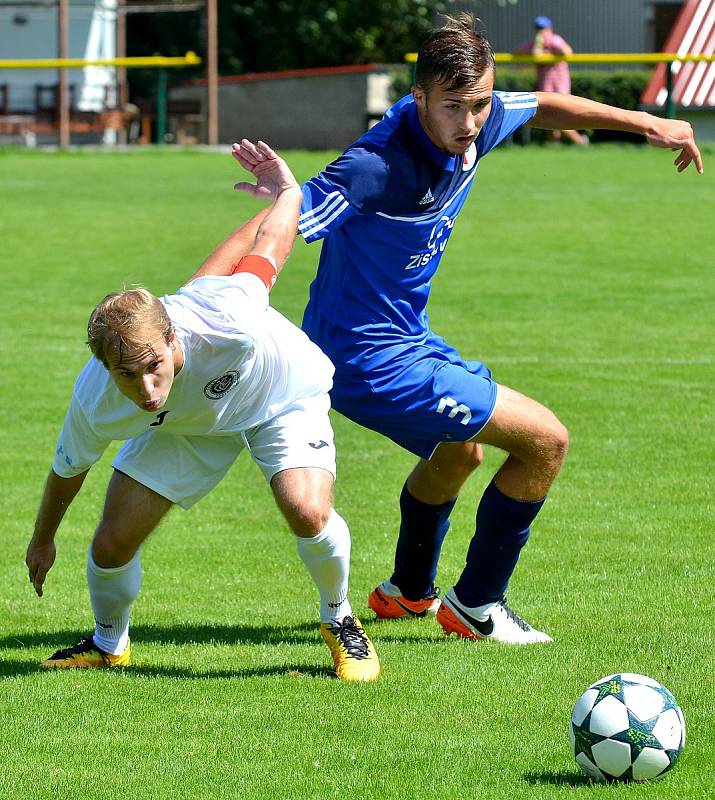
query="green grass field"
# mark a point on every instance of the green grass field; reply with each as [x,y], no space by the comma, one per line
[589,285]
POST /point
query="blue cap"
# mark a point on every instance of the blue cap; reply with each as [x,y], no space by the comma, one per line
[543,22]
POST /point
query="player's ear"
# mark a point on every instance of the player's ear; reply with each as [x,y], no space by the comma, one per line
[418,95]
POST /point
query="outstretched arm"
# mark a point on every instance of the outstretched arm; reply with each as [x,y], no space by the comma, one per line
[58,494]
[566,112]
[225,257]
[272,231]
[275,181]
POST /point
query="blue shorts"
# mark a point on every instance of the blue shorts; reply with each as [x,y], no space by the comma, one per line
[421,400]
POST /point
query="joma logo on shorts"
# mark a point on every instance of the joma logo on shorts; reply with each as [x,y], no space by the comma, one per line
[454,409]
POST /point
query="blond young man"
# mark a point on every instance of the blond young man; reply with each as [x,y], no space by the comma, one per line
[189,381]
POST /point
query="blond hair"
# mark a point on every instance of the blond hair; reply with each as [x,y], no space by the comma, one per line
[131,320]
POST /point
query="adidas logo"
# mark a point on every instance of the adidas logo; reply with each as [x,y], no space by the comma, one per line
[427,199]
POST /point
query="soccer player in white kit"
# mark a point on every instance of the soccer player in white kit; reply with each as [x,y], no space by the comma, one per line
[189,381]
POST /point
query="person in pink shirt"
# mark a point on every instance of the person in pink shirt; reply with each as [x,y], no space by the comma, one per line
[552,77]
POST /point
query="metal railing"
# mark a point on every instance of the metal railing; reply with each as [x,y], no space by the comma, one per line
[160,63]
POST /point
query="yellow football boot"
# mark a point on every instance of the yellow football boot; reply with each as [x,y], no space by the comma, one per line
[86,655]
[353,653]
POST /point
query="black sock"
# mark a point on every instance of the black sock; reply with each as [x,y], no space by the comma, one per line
[502,530]
[422,532]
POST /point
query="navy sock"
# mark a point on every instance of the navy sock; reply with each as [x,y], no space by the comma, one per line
[422,532]
[502,530]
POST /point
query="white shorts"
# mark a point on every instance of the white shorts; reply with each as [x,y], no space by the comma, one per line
[185,468]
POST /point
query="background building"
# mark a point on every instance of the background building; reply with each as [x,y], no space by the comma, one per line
[29,30]
[604,26]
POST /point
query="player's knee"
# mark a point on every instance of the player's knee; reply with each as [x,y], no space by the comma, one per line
[556,443]
[110,547]
[308,517]
[460,463]
[474,456]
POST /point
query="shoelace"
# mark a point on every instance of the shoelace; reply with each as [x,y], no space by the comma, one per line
[84,645]
[513,616]
[352,637]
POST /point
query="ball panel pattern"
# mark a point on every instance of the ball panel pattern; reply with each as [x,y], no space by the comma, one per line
[626,727]
[634,677]
[589,767]
[643,701]
[668,731]
[583,705]
[650,763]
[609,716]
[612,758]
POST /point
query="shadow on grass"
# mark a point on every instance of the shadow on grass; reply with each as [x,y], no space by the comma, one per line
[11,668]
[208,633]
[576,780]
[296,671]
[190,633]
[406,630]
[377,635]
[303,633]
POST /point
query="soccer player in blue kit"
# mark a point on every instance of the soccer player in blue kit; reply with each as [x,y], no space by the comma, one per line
[385,210]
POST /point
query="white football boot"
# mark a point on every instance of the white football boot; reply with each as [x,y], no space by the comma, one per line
[493,621]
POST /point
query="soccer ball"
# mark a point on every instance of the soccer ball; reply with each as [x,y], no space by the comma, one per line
[626,727]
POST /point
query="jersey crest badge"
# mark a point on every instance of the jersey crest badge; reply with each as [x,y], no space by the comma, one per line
[469,158]
[222,385]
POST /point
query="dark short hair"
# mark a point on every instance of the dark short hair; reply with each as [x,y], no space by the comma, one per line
[454,56]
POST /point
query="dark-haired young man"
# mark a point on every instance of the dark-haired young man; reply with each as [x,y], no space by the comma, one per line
[385,210]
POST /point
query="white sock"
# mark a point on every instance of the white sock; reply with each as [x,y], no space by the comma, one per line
[327,558]
[112,592]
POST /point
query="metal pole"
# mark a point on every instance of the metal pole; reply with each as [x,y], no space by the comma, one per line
[63,111]
[160,105]
[669,99]
[122,88]
[212,70]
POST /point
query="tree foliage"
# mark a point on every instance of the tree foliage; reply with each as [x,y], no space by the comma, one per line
[265,35]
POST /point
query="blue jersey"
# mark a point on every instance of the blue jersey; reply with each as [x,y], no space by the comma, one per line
[385,210]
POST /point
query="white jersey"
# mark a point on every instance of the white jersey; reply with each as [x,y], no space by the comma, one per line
[244,363]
